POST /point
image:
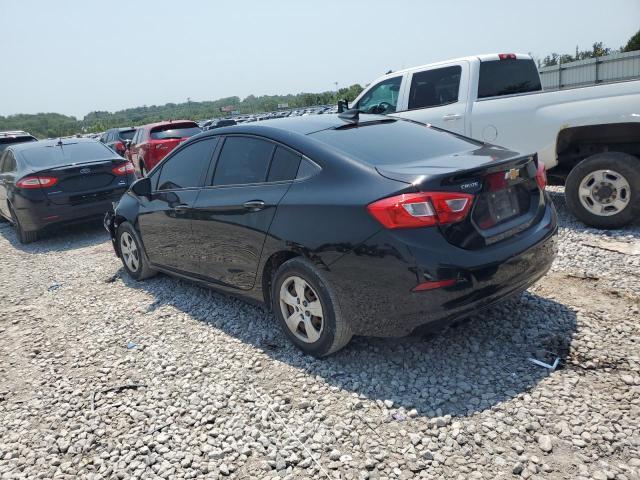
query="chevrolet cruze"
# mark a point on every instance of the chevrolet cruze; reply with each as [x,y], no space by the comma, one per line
[342,224]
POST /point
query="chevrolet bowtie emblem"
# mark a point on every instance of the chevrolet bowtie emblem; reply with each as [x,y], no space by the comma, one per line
[512,174]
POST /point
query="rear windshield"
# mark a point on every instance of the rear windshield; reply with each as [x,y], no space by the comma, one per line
[507,77]
[394,142]
[127,134]
[55,155]
[175,131]
[6,141]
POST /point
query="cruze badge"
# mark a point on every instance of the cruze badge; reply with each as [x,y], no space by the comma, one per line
[84,171]
[512,174]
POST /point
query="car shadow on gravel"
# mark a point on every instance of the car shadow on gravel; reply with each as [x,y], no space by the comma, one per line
[462,369]
[59,238]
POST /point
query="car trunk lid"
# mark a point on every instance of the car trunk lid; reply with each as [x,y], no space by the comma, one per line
[85,182]
[507,199]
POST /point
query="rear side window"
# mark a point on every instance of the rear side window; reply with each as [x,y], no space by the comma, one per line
[507,77]
[174,131]
[243,160]
[184,169]
[284,165]
[432,88]
[9,163]
[394,142]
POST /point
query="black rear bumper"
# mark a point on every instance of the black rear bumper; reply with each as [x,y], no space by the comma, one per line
[375,281]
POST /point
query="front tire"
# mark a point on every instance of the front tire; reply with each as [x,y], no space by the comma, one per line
[133,257]
[603,190]
[308,310]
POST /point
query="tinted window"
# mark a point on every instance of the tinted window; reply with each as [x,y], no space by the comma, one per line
[243,160]
[506,77]
[284,165]
[9,163]
[382,98]
[175,131]
[394,142]
[184,169]
[5,142]
[49,155]
[435,87]
[127,134]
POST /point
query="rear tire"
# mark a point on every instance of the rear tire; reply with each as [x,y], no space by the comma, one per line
[24,236]
[133,257]
[589,179]
[307,308]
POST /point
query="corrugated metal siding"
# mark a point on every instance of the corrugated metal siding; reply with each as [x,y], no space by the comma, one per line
[609,68]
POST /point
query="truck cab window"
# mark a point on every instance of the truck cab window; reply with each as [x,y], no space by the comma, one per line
[381,98]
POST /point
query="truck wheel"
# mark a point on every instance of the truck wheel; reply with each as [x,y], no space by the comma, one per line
[603,190]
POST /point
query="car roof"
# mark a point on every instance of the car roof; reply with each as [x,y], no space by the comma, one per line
[166,122]
[14,133]
[50,143]
[483,58]
[301,125]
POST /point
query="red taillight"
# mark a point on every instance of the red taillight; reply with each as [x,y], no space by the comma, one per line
[421,287]
[507,56]
[119,146]
[36,182]
[424,209]
[123,169]
[541,175]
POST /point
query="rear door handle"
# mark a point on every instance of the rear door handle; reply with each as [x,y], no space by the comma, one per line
[254,205]
[183,207]
[452,116]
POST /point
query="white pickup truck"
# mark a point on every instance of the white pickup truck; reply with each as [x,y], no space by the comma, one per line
[588,138]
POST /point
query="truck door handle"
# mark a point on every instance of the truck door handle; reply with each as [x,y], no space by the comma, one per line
[254,205]
[452,116]
[183,207]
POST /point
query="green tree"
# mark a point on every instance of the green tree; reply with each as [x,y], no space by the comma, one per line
[633,43]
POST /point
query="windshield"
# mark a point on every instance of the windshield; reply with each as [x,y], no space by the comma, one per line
[175,131]
[127,134]
[508,77]
[5,142]
[68,153]
[394,142]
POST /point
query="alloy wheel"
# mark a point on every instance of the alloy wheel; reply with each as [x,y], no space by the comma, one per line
[301,309]
[129,251]
[604,192]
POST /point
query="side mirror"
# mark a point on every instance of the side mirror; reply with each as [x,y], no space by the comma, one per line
[142,187]
[343,105]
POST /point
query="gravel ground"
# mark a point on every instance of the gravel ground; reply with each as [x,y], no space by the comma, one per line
[103,377]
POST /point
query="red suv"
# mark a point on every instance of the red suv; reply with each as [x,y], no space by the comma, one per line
[154,141]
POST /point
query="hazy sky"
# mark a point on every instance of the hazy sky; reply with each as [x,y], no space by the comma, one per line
[73,57]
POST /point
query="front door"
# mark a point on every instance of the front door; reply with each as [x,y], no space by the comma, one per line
[232,216]
[165,221]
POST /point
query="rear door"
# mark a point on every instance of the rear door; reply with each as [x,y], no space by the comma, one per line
[233,214]
[437,95]
[165,221]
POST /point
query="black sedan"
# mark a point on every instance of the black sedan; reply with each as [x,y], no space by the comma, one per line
[59,181]
[343,225]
